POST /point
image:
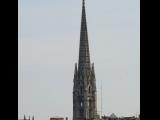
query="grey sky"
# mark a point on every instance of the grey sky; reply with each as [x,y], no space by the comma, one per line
[49,33]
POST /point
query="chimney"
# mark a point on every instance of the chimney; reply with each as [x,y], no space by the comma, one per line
[24,117]
[33,118]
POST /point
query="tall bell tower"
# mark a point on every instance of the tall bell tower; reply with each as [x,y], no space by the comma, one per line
[84,89]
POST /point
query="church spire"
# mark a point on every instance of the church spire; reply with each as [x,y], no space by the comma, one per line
[84,57]
[84,89]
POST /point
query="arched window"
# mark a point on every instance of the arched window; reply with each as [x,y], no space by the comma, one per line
[81,104]
[90,107]
[89,89]
[81,90]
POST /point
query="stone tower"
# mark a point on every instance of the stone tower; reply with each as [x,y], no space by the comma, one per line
[84,89]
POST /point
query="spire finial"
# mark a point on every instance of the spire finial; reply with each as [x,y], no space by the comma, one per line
[83,2]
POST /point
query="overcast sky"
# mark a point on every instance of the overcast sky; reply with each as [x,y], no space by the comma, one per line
[49,33]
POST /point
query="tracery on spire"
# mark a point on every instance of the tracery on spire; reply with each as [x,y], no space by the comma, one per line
[84,55]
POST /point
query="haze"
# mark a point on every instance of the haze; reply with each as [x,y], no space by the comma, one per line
[48,47]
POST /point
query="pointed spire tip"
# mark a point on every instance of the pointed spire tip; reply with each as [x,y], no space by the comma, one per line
[83,2]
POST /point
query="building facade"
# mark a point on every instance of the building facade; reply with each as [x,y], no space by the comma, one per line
[84,89]
[25,118]
[56,118]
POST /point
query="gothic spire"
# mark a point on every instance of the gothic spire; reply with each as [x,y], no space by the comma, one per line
[84,89]
[84,57]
